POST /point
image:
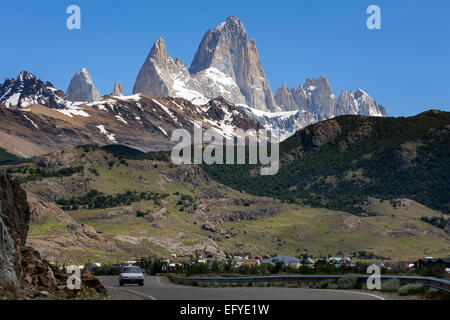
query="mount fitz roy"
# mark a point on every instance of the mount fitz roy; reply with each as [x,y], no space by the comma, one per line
[225,86]
[227,64]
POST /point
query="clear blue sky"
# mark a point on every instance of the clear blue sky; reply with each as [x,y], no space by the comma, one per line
[405,66]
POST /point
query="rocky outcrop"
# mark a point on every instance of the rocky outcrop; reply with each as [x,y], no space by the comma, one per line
[203,246]
[208,226]
[37,273]
[81,88]
[75,236]
[117,91]
[324,132]
[28,90]
[22,268]
[42,280]
[159,216]
[14,218]
[234,210]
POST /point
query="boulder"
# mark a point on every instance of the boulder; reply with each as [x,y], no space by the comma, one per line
[208,226]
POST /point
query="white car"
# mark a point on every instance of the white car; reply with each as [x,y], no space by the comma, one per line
[131,274]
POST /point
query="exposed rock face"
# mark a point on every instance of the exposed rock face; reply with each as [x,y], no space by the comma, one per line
[204,246]
[215,71]
[315,102]
[320,99]
[161,76]
[325,132]
[40,279]
[36,272]
[81,88]
[140,121]
[284,98]
[234,210]
[14,218]
[117,91]
[28,90]
[316,97]
[151,77]
[208,226]
[228,50]
[359,102]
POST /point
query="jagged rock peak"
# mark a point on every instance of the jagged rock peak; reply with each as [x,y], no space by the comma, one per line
[284,98]
[321,83]
[81,88]
[154,77]
[28,90]
[117,91]
[158,52]
[317,98]
[218,51]
[359,102]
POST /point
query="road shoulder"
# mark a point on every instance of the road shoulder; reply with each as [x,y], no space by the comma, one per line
[126,294]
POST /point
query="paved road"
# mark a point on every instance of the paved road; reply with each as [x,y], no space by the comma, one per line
[159,288]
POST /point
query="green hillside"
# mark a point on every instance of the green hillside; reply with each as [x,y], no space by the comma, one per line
[123,202]
[341,162]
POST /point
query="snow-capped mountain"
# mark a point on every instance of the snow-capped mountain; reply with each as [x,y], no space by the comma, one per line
[81,88]
[225,87]
[358,102]
[314,102]
[227,64]
[33,124]
[316,97]
[27,90]
[215,71]
[287,122]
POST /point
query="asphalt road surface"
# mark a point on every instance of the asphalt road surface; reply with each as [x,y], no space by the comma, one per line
[159,288]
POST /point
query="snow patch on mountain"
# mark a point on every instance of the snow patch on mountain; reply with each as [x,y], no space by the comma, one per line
[110,136]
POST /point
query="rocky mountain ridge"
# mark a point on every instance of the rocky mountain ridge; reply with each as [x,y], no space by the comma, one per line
[141,121]
[27,90]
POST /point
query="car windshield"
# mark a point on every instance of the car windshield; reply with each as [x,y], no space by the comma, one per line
[131,270]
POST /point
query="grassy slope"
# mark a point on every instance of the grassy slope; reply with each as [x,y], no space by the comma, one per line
[321,230]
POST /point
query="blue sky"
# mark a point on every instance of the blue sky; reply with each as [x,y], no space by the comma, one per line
[405,66]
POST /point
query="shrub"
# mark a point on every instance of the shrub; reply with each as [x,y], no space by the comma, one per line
[333,286]
[391,285]
[349,281]
[412,288]
[324,284]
